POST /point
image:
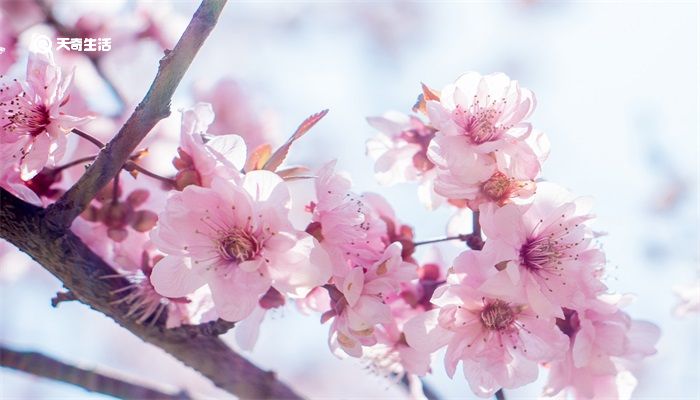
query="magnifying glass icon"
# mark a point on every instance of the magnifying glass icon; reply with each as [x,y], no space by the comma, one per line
[40,44]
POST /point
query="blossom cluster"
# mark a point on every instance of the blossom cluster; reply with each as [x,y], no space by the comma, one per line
[227,235]
[532,293]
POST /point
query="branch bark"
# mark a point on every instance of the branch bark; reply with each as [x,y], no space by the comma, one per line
[154,107]
[64,255]
[91,380]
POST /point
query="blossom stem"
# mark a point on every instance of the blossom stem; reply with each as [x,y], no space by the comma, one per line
[445,239]
[89,138]
[475,241]
[132,166]
[476,226]
[500,395]
[74,163]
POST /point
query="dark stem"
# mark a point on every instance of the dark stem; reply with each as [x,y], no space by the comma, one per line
[445,239]
[132,166]
[89,138]
[74,163]
[90,380]
[475,241]
[500,395]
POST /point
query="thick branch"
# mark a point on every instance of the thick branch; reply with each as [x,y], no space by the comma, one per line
[79,269]
[93,381]
[154,107]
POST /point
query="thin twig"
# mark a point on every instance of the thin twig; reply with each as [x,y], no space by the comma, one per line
[154,107]
[89,138]
[132,166]
[88,379]
[445,239]
[74,163]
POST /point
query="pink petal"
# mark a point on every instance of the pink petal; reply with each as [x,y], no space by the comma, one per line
[352,285]
[424,334]
[172,277]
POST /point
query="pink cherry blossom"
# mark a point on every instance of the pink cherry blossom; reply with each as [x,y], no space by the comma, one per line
[359,300]
[345,224]
[400,154]
[499,339]
[236,239]
[10,181]
[396,231]
[202,157]
[481,131]
[600,341]
[546,247]
[31,115]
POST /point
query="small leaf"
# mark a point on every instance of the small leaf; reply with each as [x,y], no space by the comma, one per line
[280,154]
[258,157]
[293,173]
[427,95]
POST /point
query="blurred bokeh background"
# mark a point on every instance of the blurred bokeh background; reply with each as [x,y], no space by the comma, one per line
[617,90]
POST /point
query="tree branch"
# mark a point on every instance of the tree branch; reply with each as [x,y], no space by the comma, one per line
[91,380]
[154,107]
[63,254]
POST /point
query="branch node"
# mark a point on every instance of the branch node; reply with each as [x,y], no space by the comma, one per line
[61,297]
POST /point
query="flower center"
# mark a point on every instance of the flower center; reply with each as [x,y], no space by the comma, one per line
[239,245]
[498,187]
[497,315]
[540,253]
[29,120]
[479,124]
